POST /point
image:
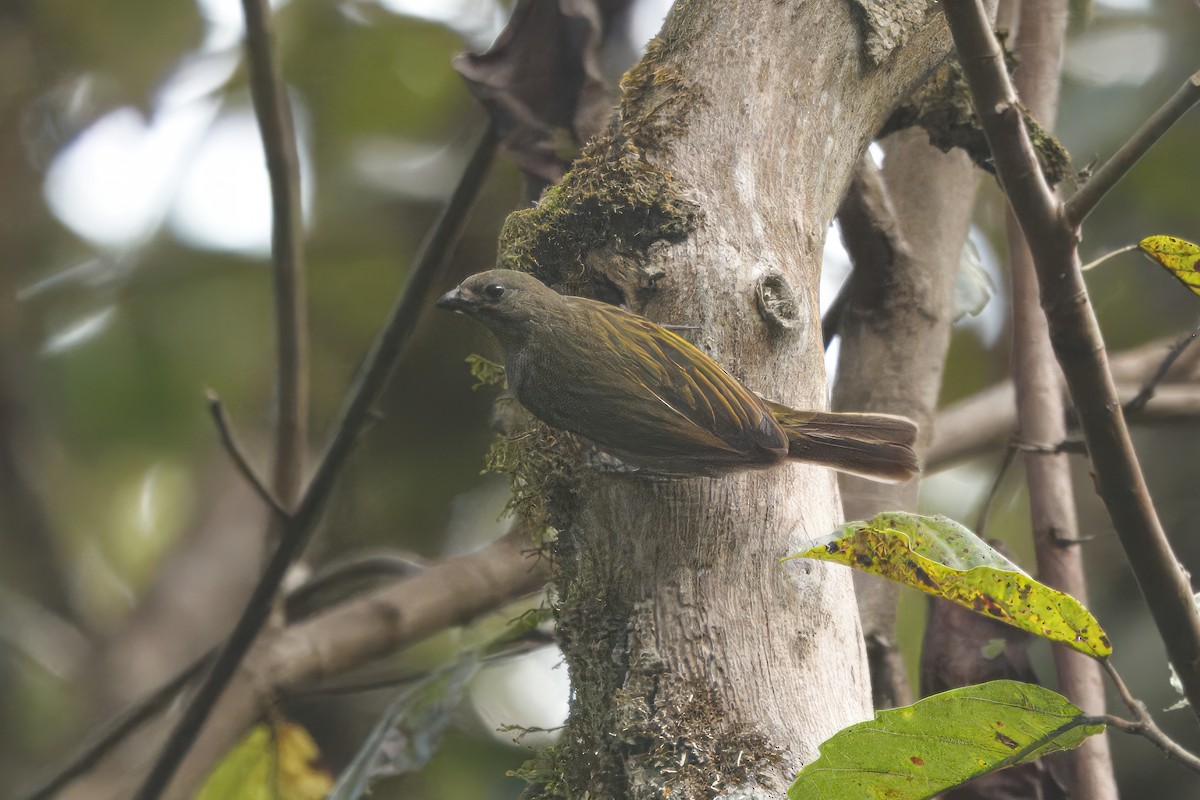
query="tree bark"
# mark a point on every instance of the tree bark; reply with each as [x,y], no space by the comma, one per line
[698,663]
[895,332]
[1041,410]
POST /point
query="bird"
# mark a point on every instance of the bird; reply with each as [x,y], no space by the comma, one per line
[652,399]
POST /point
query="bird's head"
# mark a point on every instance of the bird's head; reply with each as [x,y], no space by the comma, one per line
[504,300]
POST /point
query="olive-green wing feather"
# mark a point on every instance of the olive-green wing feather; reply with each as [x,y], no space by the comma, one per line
[695,400]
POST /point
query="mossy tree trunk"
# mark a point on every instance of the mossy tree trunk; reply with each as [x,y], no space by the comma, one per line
[699,663]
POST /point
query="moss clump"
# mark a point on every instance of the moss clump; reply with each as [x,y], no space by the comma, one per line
[542,465]
[614,199]
[485,372]
[943,108]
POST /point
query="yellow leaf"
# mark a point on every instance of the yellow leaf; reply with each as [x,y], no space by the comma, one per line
[277,762]
[941,557]
[1179,256]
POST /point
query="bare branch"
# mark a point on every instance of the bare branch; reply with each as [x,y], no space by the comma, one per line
[350,571]
[1091,193]
[988,419]
[1078,344]
[380,623]
[275,124]
[452,593]
[355,415]
[121,728]
[1041,410]
[1139,401]
[217,410]
[1145,725]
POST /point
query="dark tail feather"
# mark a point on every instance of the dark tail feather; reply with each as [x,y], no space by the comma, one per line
[875,446]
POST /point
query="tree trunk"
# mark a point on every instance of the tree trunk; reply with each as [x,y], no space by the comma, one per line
[698,662]
[895,331]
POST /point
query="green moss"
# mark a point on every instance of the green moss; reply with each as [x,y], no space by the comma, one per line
[544,775]
[542,465]
[485,372]
[615,199]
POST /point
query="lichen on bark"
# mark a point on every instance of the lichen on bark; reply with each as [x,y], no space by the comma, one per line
[636,730]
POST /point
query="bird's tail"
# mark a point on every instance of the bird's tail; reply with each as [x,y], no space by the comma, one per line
[875,446]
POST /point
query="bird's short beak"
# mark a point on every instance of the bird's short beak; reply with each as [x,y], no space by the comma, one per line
[452,300]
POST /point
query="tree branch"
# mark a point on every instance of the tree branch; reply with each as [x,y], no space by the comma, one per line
[1151,386]
[275,124]
[355,414]
[1084,201]
[895,329]
[120,728]
[343,637]
[988,419]
[225,431]
[1078,344]
[1144,724]
[345,573]
[1041,409]
[380,623]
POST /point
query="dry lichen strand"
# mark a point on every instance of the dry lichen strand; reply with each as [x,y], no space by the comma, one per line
[613,197]
[683,741]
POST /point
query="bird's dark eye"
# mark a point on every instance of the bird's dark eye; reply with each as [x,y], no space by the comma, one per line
[494,291]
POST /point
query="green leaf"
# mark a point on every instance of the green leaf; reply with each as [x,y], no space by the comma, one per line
[941,557]
[921,750]
[407,734]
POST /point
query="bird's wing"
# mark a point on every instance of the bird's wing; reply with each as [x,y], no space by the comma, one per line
[694,395]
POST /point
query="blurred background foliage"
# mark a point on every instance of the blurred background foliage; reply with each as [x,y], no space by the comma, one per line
[134,232]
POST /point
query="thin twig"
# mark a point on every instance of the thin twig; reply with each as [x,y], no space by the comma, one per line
[1144,725]
[1084,201]
[1139,401]
[275,124]
[356,413]
[225,430]
[1093,264]
[120,728]
[1154,734]
[1010,455]
[1078,344]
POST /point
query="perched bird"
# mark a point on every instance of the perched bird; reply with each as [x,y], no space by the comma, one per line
[652,399]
